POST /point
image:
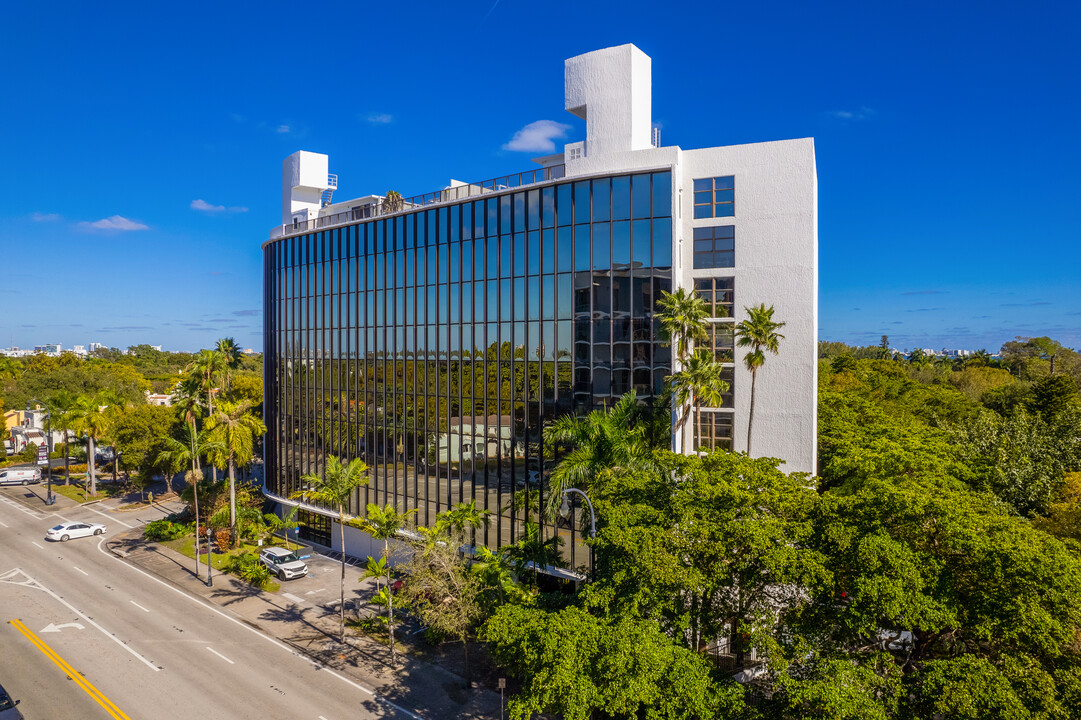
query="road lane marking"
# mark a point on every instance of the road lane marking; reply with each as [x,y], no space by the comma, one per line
[36,545]
[294,598]
[86,617]
[18,506]
[2,525]
[71,672]
[221,656]
[84,572]
[322,718]
[53,627]
[138,606]
[257,631]
[112,518]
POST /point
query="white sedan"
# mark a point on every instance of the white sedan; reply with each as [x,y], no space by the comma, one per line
[65,531]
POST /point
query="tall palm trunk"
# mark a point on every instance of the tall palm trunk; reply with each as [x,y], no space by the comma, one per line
[341,605]
[93,470]
[195,490]
[67,459]
[232,500]
[750,416]
[698,426]
[390,597]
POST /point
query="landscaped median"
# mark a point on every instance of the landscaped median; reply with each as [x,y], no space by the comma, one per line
[242,561]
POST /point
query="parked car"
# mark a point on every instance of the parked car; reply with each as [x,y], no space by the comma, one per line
[7,706]
[65,531]
[20,476]
[283,563]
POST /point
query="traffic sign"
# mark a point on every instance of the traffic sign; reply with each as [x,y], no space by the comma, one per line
[43,455]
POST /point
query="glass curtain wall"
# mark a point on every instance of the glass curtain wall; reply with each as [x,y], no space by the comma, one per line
[436,344]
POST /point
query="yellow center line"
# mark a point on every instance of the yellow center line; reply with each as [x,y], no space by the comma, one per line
[70,671]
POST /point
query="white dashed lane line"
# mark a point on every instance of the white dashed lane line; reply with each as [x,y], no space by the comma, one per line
[138,606]
[112,518]
[84,572]
[36,545]
[2,525]
[221,656]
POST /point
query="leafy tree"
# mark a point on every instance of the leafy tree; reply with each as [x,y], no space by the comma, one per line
[235,427]
[441,590]
[139,432]
[1053,394]
[1064,515]
[758,332]
[1022,458]
[935,587]
[710,547]
[572,664]
[334,488]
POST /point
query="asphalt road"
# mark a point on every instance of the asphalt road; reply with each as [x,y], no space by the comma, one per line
[84,634]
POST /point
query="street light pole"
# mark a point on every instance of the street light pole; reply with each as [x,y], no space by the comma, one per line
[565,510]
[49,499]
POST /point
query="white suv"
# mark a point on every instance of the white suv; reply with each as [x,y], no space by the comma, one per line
[283,563]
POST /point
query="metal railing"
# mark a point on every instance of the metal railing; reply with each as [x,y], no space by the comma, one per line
[446,195]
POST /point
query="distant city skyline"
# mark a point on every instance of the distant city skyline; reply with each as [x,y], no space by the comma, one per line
[146,171]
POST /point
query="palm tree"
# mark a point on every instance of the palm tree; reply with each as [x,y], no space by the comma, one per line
[700,382]
[186,401]
[208,367]
[235,427]
[230,353]
[758,332]
[683,320]
[383,524]
[89,420]
[177,455]
[393,202]
[600,441]
[334,488]
[63,419]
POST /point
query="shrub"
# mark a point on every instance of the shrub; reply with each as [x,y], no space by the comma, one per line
[247,566]
[225,538]
[159,530]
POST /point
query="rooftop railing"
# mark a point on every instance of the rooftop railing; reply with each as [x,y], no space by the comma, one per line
[394,205]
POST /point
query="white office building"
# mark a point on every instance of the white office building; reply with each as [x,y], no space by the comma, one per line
[488,308]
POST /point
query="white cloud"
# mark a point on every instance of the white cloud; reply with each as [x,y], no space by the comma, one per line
[44,217]
[537,136]
[116,222]
[204,206]
[380,118]
[864,113]
[283,129]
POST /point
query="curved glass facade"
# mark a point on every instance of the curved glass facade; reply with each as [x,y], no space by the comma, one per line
[436,343]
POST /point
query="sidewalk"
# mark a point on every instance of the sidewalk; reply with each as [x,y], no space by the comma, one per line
[310,625]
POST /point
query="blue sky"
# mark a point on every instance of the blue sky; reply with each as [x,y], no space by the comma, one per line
[143,145]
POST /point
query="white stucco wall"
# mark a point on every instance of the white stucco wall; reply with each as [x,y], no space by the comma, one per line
[776,263]
[304,177]
[611,89]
